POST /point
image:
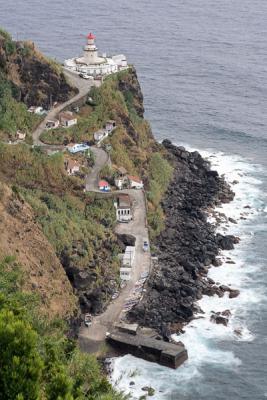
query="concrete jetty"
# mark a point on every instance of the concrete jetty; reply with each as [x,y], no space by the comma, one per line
[168,354]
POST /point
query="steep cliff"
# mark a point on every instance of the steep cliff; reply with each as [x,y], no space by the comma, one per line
[34,79]
[22,238]
[26,78]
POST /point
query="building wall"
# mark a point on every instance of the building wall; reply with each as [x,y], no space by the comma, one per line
[136,185]
[71,122]
[125,274]
[124,214]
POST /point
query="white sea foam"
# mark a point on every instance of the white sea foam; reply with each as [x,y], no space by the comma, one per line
[202,337]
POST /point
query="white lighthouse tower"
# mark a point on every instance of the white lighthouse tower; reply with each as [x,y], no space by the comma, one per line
[92,64]
[91,52]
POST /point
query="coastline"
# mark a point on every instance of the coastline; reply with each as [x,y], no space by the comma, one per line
[186,247]
[201,337]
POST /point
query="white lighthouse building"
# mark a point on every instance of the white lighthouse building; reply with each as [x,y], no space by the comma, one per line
[91,63]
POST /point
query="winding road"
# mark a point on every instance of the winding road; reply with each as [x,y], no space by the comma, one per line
[82,85]
[91,339]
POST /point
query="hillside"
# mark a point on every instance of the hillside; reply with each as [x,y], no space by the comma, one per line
[26,78]
[59,255]
[22,237]
[132,144]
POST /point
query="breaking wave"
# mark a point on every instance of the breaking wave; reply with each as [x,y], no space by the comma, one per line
[206,342]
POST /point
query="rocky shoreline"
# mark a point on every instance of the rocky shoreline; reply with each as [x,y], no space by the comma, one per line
[187,246]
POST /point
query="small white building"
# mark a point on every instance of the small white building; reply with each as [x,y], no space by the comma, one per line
[121,179]
[135,182]
[52,124]
[125,274]
[37,110]
[110,125]
[21,135]
[100,135]
[67,119]
[128,257]
[123,207]
[72,167]
[121,61]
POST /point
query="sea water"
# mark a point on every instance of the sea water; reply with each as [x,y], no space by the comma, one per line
[203,70]
[216,352]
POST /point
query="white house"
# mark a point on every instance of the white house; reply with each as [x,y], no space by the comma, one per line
[128,257]
[125,274]
[21,135]
[37,110]
[100,135]
[123,207]
[121,61]
[110,125]
[135,182]
[72,167]
[121,179]
[67,119]
[52,124]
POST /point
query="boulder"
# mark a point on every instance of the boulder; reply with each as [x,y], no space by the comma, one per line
[219,319]
[233,293]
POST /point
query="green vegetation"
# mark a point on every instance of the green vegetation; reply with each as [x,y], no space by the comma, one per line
[13,114]
[33,169]
[77,229]
[160,173]
[37,360]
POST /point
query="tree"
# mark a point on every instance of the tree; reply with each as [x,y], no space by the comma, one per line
[20,364]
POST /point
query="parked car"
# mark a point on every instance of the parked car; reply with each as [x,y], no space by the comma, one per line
[85,76]
[145,245]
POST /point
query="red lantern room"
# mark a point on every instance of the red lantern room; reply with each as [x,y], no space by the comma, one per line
[91,36]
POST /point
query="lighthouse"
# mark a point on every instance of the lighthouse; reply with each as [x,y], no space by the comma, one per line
[91,51]
[93,64]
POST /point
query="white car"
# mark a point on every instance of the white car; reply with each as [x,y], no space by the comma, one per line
[85,76]
[115,295]
[145,245]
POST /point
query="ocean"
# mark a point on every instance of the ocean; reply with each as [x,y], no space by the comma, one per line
[202,66]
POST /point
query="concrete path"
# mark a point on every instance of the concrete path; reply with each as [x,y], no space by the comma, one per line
[93,337]
[101,159]
[83,86]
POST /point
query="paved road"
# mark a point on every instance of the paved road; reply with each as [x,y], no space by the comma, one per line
[101,159]
[93,337]
[83,86]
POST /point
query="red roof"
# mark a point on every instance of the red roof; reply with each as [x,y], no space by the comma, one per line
[91,36]
[134,178]
[103,183]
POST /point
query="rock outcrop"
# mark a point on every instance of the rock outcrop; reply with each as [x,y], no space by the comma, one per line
[35,80]
[187,245]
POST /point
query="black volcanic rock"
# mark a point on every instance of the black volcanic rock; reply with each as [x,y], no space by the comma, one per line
[187,245]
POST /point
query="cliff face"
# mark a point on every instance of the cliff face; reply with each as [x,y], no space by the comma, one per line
[34,79]
[22,237]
